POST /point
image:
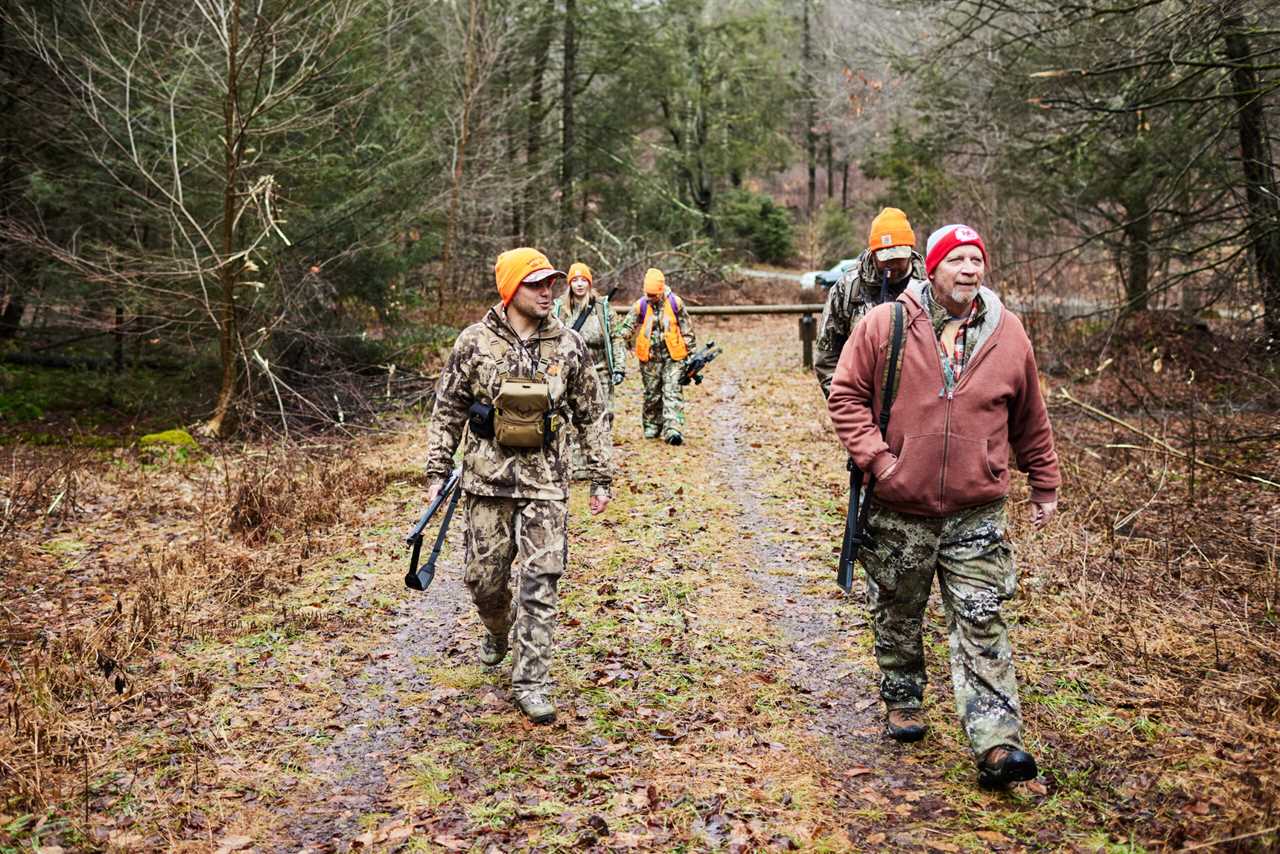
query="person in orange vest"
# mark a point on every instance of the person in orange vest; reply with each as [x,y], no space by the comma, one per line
[663,335]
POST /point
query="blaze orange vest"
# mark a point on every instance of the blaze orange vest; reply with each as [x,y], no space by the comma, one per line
[676,347]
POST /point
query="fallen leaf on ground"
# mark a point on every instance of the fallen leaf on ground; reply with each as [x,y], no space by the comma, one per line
[230,843]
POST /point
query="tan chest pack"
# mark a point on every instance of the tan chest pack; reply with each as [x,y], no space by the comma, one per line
[521,413]
[522,408]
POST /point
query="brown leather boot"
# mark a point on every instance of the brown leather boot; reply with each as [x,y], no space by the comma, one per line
[1003,765]
[905,724]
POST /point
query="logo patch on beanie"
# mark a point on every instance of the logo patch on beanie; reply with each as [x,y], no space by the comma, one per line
[964,233]
[886,239]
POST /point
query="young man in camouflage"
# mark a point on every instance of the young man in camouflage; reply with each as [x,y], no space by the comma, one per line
[663,339]
[891,248]
[516,498]
[942,480]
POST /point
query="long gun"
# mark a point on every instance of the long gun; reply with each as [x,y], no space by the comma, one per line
[694,364]
[854,527]
[420,579]
[855,522]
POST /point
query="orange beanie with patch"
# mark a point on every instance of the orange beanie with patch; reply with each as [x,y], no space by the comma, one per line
[577,268]
[890,228]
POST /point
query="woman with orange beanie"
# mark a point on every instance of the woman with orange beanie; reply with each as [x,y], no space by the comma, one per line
[583,309]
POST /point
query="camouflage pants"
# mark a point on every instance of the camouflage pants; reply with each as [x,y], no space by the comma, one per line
[578,459]
[968,552]
[525,538]
[663,412]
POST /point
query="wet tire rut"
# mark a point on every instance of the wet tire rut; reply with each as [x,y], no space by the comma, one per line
[379,723]
[845,693]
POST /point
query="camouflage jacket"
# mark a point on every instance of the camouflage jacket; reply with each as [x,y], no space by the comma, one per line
[482,355]
[630,327]
[600,332]
[857,292]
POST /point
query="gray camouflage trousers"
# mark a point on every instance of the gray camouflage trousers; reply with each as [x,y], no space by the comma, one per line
[974,564]
[524,538]
[663,413]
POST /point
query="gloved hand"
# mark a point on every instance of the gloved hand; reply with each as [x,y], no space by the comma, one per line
[618,377]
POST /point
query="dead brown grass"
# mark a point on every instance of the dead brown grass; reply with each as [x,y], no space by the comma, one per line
[115,563]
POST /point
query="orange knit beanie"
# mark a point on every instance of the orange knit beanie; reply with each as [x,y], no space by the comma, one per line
[888,230]
[579,269]
[654,282]
[517,266]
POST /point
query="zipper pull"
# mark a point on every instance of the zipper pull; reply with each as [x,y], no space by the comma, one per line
[951,395]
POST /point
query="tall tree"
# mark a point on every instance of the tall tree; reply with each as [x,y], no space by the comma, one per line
[193,114]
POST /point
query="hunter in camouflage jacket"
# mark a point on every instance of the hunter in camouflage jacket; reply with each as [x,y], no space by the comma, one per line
[857,292]
[484,353]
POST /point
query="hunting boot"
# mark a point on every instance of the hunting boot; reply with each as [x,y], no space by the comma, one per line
[1003,765]
[905,725]
[493,649]
[675,439]
[536,707]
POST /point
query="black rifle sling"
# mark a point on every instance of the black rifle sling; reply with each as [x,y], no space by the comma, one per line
[886,401]
[585,313]
[891,375]
[860,505]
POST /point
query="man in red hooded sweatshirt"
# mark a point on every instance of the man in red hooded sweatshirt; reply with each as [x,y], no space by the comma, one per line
[967,395]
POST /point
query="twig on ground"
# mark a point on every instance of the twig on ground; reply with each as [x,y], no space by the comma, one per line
[1216,842]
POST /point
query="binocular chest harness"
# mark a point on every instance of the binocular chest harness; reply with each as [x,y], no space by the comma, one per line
[520,415]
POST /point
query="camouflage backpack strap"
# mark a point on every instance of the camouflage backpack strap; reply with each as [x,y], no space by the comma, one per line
[546,352]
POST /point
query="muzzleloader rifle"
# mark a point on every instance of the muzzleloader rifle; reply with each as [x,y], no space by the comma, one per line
[696,362]
[855,523]
[420,579]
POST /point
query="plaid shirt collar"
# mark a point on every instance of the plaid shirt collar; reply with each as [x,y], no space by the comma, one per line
[953,365]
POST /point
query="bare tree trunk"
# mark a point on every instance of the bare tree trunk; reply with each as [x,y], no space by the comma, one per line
[460,157]
[831,178]
[1260,182]
[844,187]
[566,115]
[810,137]
[11,301]
[510,125]
[1137,254]
[533,127]
[223,421]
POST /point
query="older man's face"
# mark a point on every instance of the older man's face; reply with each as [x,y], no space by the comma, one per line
[958,276]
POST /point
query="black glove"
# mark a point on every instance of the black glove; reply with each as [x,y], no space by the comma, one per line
[618,377]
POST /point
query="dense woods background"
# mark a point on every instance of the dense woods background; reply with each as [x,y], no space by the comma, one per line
[264,221]
[258,194]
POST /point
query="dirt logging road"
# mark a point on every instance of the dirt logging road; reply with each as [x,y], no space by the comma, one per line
[716,690]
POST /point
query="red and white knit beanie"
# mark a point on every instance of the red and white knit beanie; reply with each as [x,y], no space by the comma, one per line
[942,241]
